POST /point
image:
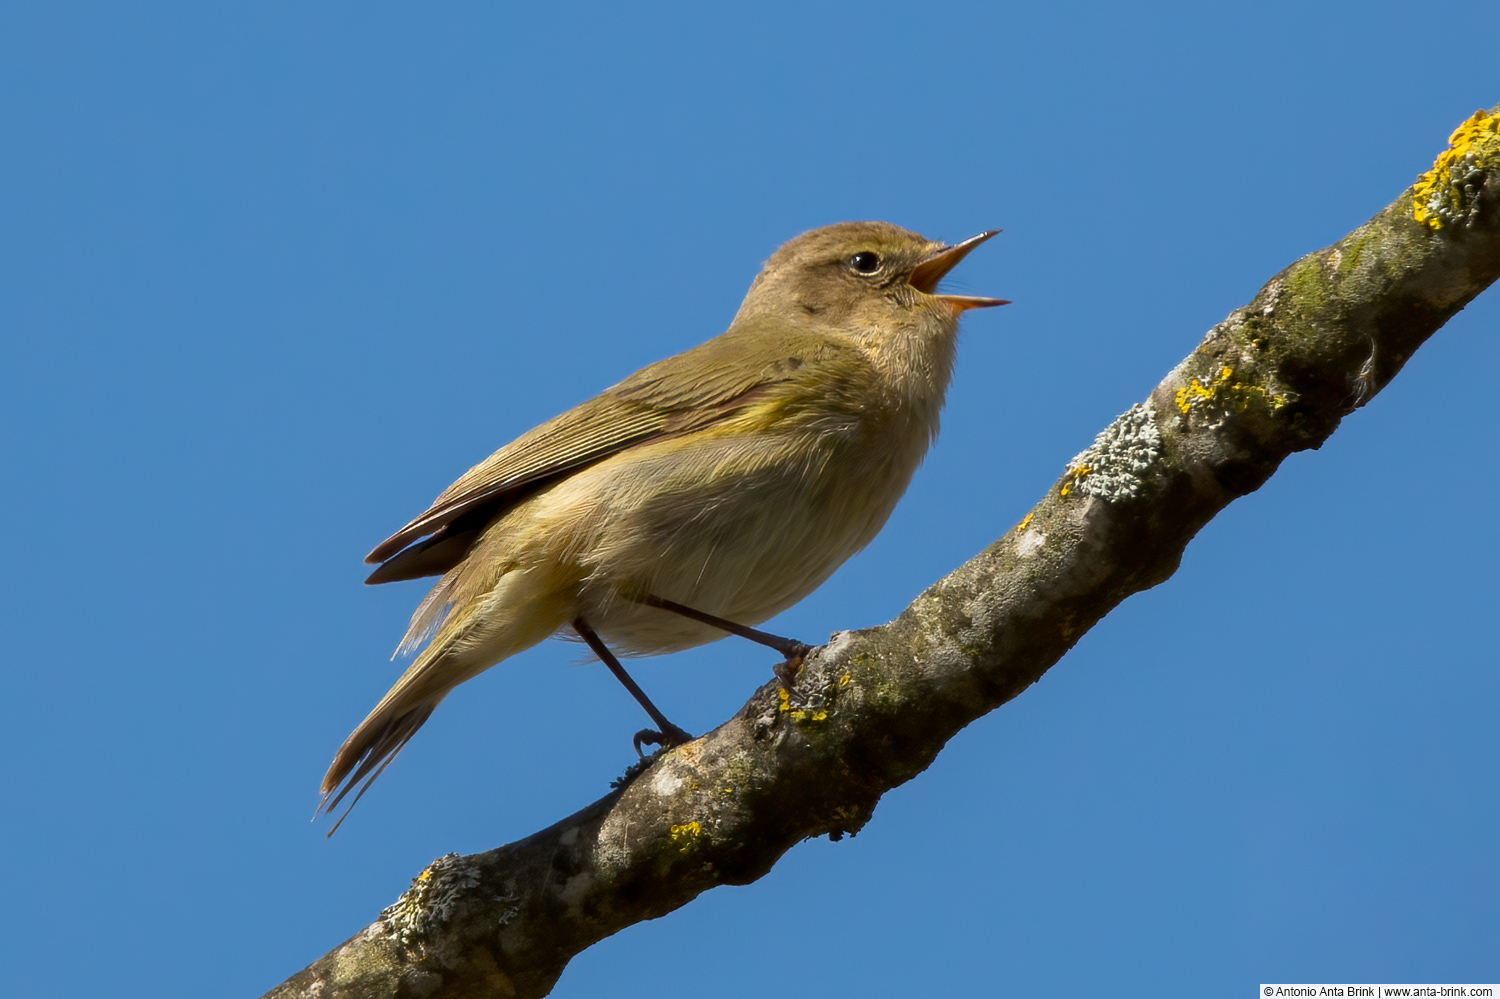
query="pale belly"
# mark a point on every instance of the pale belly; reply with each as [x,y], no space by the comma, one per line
[738,532]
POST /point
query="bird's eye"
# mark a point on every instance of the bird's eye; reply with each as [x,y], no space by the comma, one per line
[865,262]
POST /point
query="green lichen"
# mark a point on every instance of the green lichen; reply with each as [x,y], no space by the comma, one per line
[1352,249]
[738,772]
[878,690]
[1308,286]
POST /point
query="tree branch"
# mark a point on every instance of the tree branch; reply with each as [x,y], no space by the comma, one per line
[872,709]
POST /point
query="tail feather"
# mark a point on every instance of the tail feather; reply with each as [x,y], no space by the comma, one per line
[481,616]
[366,754]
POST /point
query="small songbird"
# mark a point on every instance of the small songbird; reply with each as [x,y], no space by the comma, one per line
[700,496]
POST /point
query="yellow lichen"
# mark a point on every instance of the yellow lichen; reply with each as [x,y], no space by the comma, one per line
[1225,392]
[1196,391]
[687,831]
[1025,522]
[1431,191]
[1069,481]
[798,715]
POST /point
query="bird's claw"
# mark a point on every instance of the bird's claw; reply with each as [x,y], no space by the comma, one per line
[673,736]
[786,670]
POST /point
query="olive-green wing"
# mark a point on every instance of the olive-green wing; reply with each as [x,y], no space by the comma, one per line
[683,393]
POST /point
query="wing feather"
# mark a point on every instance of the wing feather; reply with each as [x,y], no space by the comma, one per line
[696,388]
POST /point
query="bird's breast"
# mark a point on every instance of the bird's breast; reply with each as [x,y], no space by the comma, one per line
[738,525]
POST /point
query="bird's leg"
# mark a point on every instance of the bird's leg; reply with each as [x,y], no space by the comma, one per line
[793,650]
[667,734]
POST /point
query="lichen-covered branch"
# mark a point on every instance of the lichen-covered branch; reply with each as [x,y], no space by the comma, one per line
[872,709]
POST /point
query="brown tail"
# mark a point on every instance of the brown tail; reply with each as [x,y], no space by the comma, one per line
[366,753]
[482,617]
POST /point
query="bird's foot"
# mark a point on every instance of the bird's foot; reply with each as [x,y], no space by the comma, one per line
[786,670]
[672,736]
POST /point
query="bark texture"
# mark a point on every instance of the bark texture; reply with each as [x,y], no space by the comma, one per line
[873,708]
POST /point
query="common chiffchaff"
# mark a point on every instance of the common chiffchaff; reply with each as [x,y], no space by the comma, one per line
[729,480]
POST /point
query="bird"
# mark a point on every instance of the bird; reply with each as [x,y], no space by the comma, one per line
[698,497]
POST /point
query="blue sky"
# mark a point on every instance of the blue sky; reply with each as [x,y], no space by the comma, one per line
[274,274]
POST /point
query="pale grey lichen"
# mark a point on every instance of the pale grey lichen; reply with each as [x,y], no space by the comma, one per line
[1030,542]
[512,909]
[1112,468]
[431,899]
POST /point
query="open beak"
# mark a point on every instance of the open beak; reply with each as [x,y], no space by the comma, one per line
[930,271]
